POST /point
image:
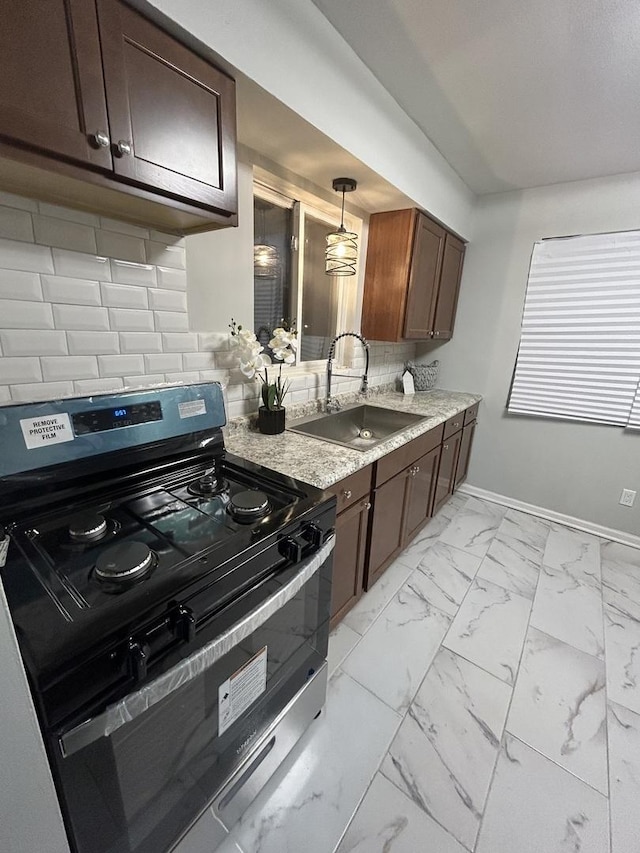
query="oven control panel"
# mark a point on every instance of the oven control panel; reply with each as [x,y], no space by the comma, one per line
[37,435]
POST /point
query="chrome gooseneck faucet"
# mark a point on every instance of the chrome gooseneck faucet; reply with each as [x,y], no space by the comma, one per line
[334,405]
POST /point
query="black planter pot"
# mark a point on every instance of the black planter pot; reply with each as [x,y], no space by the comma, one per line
[271,421]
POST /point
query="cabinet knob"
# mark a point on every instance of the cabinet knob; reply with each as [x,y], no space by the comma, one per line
[417,469]
[367,505]
[456,424]
[445,446]
[347,493]
[436,334]
[123,147]
[100,139]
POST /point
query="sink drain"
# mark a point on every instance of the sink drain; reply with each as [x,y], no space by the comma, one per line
[365,433]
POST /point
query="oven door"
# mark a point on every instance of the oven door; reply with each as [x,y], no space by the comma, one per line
[211,729]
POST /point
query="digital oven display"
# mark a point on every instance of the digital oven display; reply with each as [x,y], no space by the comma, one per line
[124,416]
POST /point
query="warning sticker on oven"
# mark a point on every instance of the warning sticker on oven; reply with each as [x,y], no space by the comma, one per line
[191,408]
[50,429]
[241,690]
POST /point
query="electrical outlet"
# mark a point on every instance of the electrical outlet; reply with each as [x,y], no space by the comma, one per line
[627,497]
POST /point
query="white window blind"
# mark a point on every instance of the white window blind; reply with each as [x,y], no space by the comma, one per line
[579,355]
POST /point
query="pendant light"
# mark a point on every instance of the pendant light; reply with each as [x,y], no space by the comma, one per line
[266,259]
[342,247]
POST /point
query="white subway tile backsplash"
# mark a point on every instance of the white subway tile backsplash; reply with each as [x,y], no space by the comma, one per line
[171,321]
[166,362]
[18,202]
[14,370]
[85,387]
[25,256]
[144,381]
[30,342]
[64,234]
[74,291]
[127,272]
[5,394]
[221,376]
[129,320]
[20,285]
[167,300]
[172,279]
[78,265]
[121,246]
[123,228]
[79,216]
[82,317]
[167,239]
[165,256]
[184,378]
[119,365]
[140,342]
[69,367]
[180,342]
[18,314]
[226,359]
[198,361]
[93,343]
[124,296]
[16,224]
[35,391]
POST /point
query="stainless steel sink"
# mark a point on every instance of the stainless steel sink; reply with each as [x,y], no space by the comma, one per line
[360,428]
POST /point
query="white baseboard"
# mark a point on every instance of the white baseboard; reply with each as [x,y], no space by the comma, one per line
[551,515]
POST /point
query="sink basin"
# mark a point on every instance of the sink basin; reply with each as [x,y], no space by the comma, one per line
[360,428]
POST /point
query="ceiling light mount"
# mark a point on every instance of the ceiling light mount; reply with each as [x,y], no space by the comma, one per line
[341,253]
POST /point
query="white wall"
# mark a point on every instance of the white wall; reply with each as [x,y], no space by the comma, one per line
[290,49]
[577,469]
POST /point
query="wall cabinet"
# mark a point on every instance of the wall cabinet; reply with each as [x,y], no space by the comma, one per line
[412,278]
[92,91]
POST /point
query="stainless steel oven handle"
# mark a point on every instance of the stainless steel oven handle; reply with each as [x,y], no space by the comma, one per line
[137,703]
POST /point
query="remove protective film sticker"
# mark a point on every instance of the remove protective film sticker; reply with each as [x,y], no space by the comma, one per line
[191,408]
[48,429]
[241,690]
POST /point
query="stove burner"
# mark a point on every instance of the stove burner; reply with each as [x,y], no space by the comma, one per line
[87,527]
[208,485]
[125,561]
[249,505]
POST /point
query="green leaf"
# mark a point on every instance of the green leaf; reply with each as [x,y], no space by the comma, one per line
[272,397]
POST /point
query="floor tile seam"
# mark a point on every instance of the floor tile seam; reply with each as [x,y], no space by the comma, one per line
[475,663]
[571,646]
[342,660]
[557,569]
[457,550]
[432,817]
[395,592]
[399,714]
[521,740]
[606,715]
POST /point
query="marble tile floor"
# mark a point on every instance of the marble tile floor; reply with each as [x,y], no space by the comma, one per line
[484,698]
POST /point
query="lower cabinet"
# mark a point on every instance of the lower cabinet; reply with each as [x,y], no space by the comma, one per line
[382,507]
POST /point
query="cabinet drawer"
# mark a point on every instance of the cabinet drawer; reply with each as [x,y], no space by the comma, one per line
[352,488]
[453,425]
[395,461]
[471,414]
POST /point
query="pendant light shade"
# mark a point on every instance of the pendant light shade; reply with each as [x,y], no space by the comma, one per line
[266,261]
[266,258]
[342,246]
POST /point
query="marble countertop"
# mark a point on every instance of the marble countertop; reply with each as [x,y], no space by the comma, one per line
[321,463]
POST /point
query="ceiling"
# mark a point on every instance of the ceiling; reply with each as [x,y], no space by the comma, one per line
[513,93]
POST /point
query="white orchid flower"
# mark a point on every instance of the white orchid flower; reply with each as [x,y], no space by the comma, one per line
[284,354]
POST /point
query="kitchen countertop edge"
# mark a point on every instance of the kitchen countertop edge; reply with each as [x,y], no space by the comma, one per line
[323,464]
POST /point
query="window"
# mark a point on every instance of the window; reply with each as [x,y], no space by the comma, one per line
[579,354]
[290,283]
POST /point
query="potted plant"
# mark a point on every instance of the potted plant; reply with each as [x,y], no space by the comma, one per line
[254,363]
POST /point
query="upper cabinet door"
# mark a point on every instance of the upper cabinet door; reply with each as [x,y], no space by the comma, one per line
[426,264]
[171,114]
[51,91]
[452,260]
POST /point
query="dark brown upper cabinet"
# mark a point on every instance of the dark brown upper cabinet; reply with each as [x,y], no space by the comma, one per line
[91,91]
[51,87]
[412,278]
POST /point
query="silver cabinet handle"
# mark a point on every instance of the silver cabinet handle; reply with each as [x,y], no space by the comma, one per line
[123,147]
[417,469]
[445,446]
[347,493]
[456,424]
[367,505]
[101,139]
